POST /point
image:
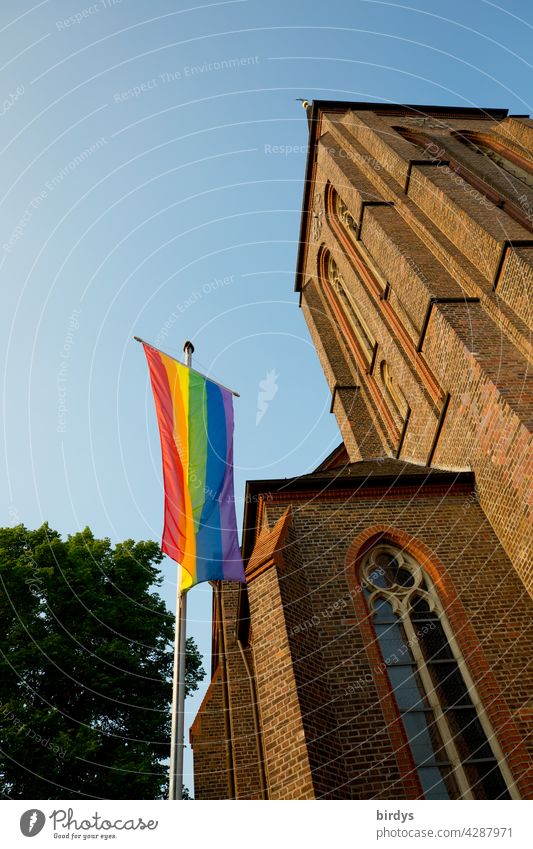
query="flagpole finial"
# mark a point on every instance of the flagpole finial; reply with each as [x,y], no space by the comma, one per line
[189,351]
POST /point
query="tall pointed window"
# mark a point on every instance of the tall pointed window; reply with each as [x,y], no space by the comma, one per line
[353,314]
[344,225]
[450,739]
[345,216]
[394,394]
[514,164]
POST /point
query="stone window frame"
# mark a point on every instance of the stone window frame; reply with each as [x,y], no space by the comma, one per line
[435,148]
[353,337]
[364,335]
[344,223]
[343,215]
[400,598]
[513,163]
[394,393]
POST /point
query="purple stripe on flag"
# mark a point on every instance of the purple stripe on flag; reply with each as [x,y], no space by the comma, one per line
[233,569]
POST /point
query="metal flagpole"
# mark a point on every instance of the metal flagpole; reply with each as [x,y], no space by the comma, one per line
[177,742]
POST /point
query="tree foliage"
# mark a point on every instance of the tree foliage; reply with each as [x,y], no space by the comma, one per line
[85,667]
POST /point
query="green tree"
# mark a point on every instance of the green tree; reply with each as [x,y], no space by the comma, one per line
[85,667]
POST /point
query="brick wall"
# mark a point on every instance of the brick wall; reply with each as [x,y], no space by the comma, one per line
[442,277]
[208,740]
[342,698]
[458,292]
[227,751]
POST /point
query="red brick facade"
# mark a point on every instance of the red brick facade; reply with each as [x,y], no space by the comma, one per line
[416,271]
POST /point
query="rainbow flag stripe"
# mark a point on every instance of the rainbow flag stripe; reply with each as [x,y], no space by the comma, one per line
[195,419]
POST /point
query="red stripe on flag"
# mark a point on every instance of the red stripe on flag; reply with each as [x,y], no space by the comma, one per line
[173,542]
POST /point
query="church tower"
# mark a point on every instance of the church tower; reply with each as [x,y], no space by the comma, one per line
[381,646]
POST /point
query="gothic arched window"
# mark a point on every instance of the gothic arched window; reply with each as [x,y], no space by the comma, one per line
[394,393]
[345,216]
[353,314]
[449,736]
[514,164]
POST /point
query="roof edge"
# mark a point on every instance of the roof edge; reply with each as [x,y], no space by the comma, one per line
[302,483]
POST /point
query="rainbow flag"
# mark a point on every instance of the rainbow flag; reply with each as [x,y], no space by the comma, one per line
[195,417]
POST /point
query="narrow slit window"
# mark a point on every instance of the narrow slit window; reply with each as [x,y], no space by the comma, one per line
[394,394]
[351,310]
[345,217]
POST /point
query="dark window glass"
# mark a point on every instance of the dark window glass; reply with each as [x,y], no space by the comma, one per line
[430,754]
[450,684]
[468,734]
[434,781]
[393,643]
[383,611]
[424,738]
[486,781]
[389,572]
[407,688]
[420,608]
[378,577]
[432,639]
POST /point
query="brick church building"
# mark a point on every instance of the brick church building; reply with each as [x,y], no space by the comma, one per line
[381,648]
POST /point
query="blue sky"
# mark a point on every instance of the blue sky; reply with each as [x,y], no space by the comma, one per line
[152,185]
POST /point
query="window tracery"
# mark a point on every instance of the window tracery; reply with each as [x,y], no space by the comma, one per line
[358,324]
[448,734]
[395,395]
